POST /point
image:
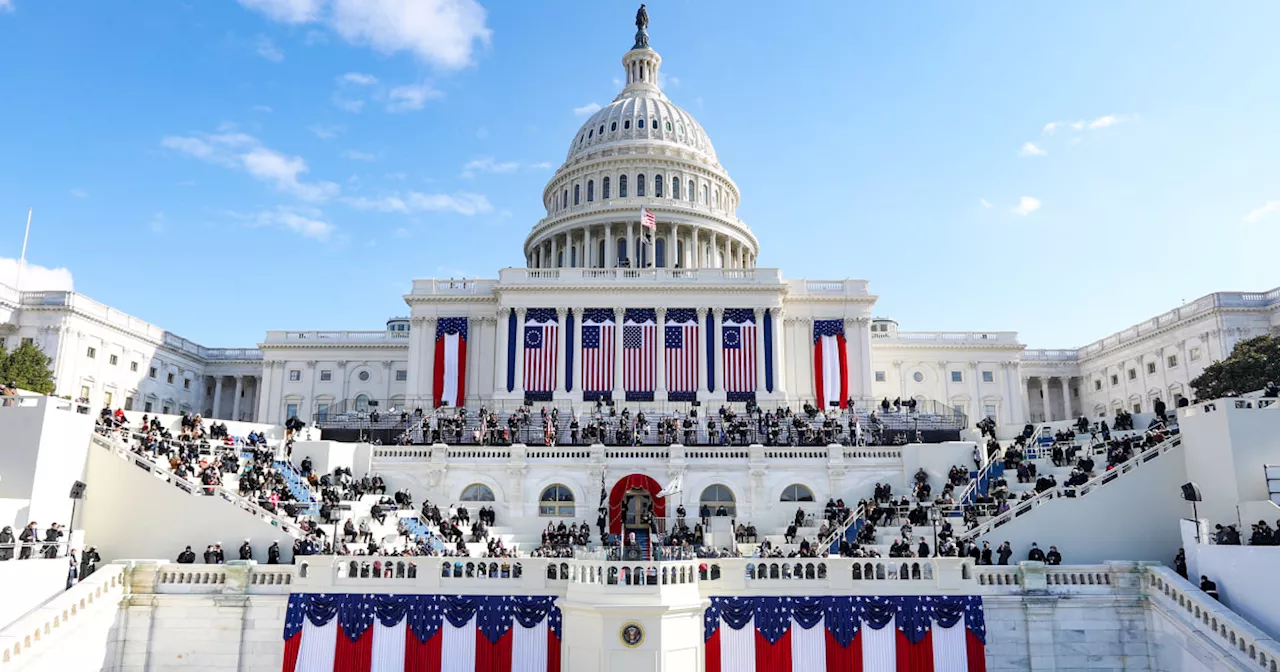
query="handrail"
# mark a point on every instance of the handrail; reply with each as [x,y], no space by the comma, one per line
[1019,508]
[1211,618]
[835,535]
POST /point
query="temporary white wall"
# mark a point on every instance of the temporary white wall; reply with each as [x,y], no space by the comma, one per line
[130,513]
[325,455]
[28,583]
[43,455]
[1246,580]
[936,459]
[1134,517]
[1226,450]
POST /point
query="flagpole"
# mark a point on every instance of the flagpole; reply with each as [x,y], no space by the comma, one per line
[23,261]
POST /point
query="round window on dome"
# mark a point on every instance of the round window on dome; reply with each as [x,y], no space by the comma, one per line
[918,377]
[601,129]
[626,124]
[613,127]
[640,123]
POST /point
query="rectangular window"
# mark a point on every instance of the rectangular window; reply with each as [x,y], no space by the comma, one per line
[295,375]
[92,353]
[990,411]
[146,408]
[1151,368]
[402,375]
[128,403]
[133,366]
[152,372]
[1115,380]
[988,376]
[113,360]
[106,399]
[958,408]
[1137,408]
[322,412]
[186,383]
[1195,352]
[84,391]
[1173,361]
[169,379]
[326,375]
[957,377]
[27,340]
[164,409]
[291,411]
[1097,385]
[879,376]
[1133,374]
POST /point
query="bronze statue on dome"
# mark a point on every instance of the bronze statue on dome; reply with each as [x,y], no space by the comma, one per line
[642,27]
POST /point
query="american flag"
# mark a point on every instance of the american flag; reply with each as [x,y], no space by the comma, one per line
[739,344]
[597,350]
[540,328]
[682,353]
[639,349]
[647,219]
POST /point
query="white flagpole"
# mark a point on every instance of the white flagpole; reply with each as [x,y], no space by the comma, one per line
[23,261]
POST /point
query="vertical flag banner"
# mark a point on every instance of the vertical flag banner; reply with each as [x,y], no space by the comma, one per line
[540,327]
[449,385]
[830,373]
[868,634]
[597,353]
[682,353]
[423,633]
[738,341]
[639,352]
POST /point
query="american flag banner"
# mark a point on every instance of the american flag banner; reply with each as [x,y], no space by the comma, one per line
[540,328]
[639,352]
[738,343]
[682,353]
[868,634]
[597,351]
[830,378]
[421,633]
[449,384]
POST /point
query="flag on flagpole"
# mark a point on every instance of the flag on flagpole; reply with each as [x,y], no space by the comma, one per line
[675,487]
[647,219]
[449,384]
[424,633]
[830,377]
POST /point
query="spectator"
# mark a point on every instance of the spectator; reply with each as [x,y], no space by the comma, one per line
[273,553]
[1053,557]
[1180,563]
[28,539]
[1005,552]
[1209,587]
[186,557]
[6,543]
[246,551]
[1035,554]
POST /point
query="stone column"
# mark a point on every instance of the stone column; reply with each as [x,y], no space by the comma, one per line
[217,397]
[561,354]
[779,354]
[519,388]
[1066,397]
[902,381]
[674,257]
[724,254]
[702,348]
[588,250]
[235,403]
[1044,398]
[696,256]
[500,356]
[609,247]
[618,393]
[1025,383]
[975,383]
[555,243]
[760,364]
[660,357]
[631,247]
[311,396]
[577,348]
[717,347]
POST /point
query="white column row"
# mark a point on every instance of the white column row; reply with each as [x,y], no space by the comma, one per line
[684,246]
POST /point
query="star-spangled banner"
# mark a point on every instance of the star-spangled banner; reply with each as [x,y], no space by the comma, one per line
[871,634]
[422,633]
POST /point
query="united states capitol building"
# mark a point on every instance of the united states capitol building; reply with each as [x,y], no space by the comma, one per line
[766,399]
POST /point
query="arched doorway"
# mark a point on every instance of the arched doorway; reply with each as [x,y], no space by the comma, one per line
[628,498]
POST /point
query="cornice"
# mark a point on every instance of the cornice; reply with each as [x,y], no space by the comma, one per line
[322,345]
[159,344]
[450,298]
[1014,347]
[652,289]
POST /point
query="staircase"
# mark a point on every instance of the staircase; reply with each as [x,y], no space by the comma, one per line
[298,487]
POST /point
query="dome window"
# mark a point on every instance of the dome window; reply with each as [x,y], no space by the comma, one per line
[668,127]
[675,188]
[591,190]
[657,186]
[653,123]
[626,125]
[640,184]
[605,188]
[691,190]
[565,201]
[601,129]
[622,186]
[613,127]
[640,122]
[680,128]
[589,134]
[577,194]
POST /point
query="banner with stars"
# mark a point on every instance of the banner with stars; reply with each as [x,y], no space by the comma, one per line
[422,633]
[868,634]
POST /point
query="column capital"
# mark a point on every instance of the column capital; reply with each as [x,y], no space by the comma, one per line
[618,314]
[386,365]
[662,315]
[702,315]
[719,313]
[759,313]
[342,364]
[520,312]
[973,365]
[503,311]
[560,313]
[418,321]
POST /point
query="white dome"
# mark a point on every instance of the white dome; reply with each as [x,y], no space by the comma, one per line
[642,116]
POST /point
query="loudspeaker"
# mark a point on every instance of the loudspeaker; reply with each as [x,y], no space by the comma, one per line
[373,402]
[1191,492]
[77,490]
[695,403]
[833,404]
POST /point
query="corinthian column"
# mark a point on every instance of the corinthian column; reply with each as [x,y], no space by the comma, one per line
[660,356]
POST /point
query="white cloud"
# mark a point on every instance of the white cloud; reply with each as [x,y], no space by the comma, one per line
[1051,127]
[348,104]
[410,97]
[487,164]
[265,109]
[441,32]
[356,155]
[1026,205]
[358,78]
[6,5]
[985,203]
[306,222]
[79,193]
[245,152]
[287,11]
[542,165]
[1265,210]
[35,277]
[589,108]
[402,233]
[327,131]
[1030,149]
[268,50]
[414,202]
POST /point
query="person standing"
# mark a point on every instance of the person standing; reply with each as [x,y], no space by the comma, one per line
[6,543]
[28,539]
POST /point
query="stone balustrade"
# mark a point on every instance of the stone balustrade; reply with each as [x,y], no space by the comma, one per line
[25,638]
[1172,594]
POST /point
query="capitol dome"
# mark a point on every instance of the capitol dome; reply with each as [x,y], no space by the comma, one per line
[641,153]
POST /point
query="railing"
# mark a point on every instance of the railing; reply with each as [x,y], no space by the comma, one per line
[854,521]
[23,639]
[975,337]
[700,276]
[34,550]
[1049,355]
[431,286]
[1019,508]
[395,337]
[1175,595]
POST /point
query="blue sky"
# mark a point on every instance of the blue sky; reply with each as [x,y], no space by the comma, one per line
[222,168]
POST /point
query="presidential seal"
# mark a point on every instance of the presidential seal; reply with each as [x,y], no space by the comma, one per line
[632,635]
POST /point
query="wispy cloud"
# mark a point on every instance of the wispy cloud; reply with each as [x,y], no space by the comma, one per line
[1263,211]
[985,203]
[410,97]
[6,5]
[445,33]
[1026,205]
[265,109]
[268,50]
[1031,149]
[402,233]
[79,193]
[232,149]
[542,165]
[1104,121]
[358,78]
[35,277]
[356,155]
[327,131]
[348,104]
[487,164]
[589,108]
[415,202]
[306,222]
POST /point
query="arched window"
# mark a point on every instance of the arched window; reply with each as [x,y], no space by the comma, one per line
[557,501]
[640,184]
[613,127]
[622,186]
[477,492]
[604,188]
[717,201]
[362,403]
[591,190]
[626,124]
[640,122]
[704,194]
[657,186]
[716,496]
[679,254]
[660,253]
[692,190]
[668,126]
[797,493]
[675,187]
[622,251]
[565,201]
[577,194]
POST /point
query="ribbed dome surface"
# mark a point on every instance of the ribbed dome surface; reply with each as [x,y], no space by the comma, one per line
[639,118]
